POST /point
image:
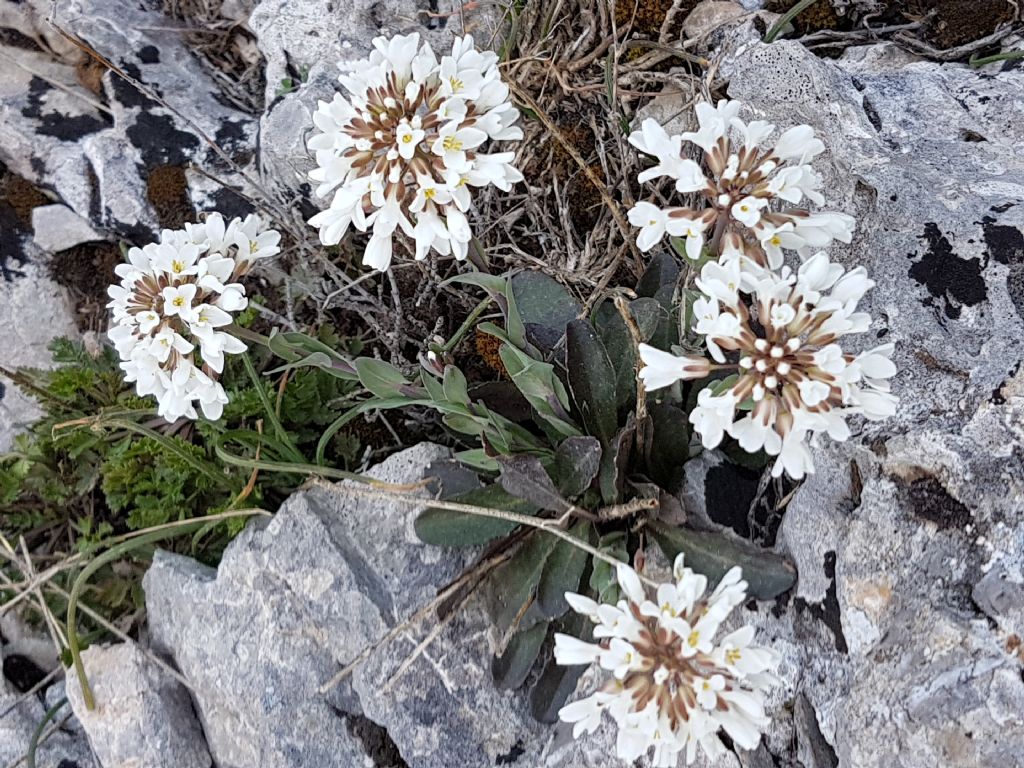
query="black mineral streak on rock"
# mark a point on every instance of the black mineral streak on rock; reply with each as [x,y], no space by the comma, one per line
[997,393]
[231,204]
[955,281]
[57,124]
[149,54]
[827,610]
[512,755]
[127,94]
[23,673]
[13,38]
[930,501]
[159,141]
[375,740]
[1005,243]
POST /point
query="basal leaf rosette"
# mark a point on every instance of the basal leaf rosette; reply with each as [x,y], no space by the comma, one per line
[672,686]
[747,189]
[781,336]
[173,299]
[404,148]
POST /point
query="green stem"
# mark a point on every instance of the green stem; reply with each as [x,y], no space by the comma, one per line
[37,735]
[787,17]
[279,430]
[977,63]
[466,325]
[289,467]
[133,542]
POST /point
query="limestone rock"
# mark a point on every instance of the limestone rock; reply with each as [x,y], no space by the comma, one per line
[57,228]
[143,717]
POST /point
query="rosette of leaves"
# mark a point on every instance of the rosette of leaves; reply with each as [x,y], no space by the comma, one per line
[567,437]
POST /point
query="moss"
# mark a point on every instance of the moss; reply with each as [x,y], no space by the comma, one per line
[818,16]
[586,198]
[487,347]
[22,196]
[956,22]
[648,15]
[86,271]
[167,192]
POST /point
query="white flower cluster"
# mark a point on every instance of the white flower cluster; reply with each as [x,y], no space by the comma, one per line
[746,179]
[173,297]
[778,331]
[793,379]
[672,686]
[404,148]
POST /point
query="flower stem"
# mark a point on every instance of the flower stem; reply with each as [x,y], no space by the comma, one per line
[787,17]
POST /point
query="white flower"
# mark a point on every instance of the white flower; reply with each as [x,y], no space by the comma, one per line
[672,688]
[172,298]
[784,334]
[651,220]
[661,369]
[745,183]
[408,135]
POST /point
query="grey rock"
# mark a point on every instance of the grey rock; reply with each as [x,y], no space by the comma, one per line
[96,152]
[33,311]
[301,595]
[57,228]
[143,717]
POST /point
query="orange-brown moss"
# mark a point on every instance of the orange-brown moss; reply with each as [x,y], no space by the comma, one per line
[167,192]
[487,347]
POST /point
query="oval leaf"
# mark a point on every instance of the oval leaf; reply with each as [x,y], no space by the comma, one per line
[577,461]
[562,572]
[591,380]
[447,528]
[712,554]
[513,666]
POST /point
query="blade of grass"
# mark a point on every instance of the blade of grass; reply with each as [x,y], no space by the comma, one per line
[272,417]
[787,17]
[134,541]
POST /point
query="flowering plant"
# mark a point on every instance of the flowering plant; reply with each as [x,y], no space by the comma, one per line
[404,148]
[672,686]
[174,298]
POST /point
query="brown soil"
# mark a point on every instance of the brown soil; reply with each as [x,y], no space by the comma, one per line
[22,196]
[86,271]
[956,22]
[818,16]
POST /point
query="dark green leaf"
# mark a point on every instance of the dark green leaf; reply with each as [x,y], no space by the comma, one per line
[556,683]
[513,586]
[525,478]
[577,461]
[446,528]
[614,461]
[662,271]
[492,283]
[670,444]
[448,478]
[544,306]
[768,574]
[562,572]
[591,380]
[603,580]
[511,669]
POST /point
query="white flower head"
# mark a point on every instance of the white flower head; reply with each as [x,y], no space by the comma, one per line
[409,135]
[782,335]
[170,304]
[746,185]
[671,687]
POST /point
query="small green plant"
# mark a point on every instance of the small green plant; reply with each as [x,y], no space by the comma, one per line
[570,438]
[100,464]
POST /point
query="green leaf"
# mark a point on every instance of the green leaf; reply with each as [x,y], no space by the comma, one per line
[647,314]
[380,378]
[603,580]
[511,669]
[662,272]
[493,283]
[514,326]
[456,390]
[577,461]
[541,387]
[512,586]
[712,554]
[614,461]
[591,380]
[670,444]
[525,478]
[544,305]
[447,528]
[556,683]
[563,571]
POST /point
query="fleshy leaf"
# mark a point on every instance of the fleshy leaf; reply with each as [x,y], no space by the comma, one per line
[562,572]
[577,461]
[447,528]
[525,478]
[712,554]
[591,380]
[511,668]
